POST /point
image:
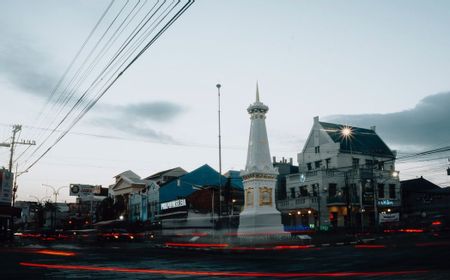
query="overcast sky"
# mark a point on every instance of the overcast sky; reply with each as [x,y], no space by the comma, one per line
[364,63]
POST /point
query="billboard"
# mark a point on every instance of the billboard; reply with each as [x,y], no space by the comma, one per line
[6,180]
[82,190]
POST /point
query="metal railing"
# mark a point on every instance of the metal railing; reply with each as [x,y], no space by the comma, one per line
[297,203]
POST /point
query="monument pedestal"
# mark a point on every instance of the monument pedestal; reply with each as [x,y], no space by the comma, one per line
[260,222]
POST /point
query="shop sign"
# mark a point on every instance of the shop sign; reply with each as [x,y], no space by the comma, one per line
[5,187]
[385,202]
[389,217]
[173,204]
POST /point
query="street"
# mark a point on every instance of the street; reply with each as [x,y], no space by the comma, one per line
[420,260]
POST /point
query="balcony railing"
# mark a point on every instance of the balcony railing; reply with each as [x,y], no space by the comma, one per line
[341,200]
[298,203]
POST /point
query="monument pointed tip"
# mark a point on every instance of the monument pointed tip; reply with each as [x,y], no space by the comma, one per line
[257,92]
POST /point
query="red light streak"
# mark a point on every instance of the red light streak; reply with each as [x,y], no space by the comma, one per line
[220,273]
[367,246]
[436,223]
[258,234]
[250,249]
[48,238]
[197,245]
[284,247]
[30,235]
[56,253]
[408,230]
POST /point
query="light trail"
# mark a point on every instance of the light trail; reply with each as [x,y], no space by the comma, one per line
[197,245]
[222,273]
[56,253]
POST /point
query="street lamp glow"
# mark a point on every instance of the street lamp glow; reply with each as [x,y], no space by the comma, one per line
[298,212]
[346,132]
[395,174]
[121,217]
[309,211]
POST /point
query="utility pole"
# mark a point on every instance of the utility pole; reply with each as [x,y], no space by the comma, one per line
[16,129]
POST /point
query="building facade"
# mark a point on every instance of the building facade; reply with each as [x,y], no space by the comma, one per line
[346,179]
[423,202]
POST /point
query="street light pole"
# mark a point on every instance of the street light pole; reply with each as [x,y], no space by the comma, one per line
[361,206]
[55,191]
[220,153]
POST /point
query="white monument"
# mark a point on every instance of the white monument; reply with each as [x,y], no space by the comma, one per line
[260,215]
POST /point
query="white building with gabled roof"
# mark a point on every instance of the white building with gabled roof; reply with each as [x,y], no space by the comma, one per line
[337,164]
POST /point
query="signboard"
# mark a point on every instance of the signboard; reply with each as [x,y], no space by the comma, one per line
[6,179]
[385,202]
[173,204]
[83,190]
[389,217]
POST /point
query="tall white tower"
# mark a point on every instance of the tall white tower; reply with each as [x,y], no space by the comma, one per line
[259,177]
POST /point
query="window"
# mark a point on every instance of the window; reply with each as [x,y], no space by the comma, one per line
[292,192]
[355,162]
[318,164]
[308,165]
[327,163]
[303,191]
[315,187]
[392,191]
[381,190]
[332,188]
[381,165]
[317,150]
[369,162]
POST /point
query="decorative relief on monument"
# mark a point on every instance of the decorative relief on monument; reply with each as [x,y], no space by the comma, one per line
[249,197]
[265,196]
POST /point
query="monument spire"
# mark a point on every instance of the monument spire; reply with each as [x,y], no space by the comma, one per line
[258,154]
[260,214]
[257,92]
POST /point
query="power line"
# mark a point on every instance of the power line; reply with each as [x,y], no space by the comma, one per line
[111,81]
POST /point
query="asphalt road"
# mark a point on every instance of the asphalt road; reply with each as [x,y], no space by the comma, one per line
[420,260]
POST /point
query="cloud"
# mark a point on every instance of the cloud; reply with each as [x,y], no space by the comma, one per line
[141,130]
[160,111]
[139,119]
[24,65]
[426,125]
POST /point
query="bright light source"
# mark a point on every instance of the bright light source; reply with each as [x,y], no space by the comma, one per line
[298,212]
[389,210]
[309,211]
[346,132]
[395,174]
[234,200]
[121,217]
